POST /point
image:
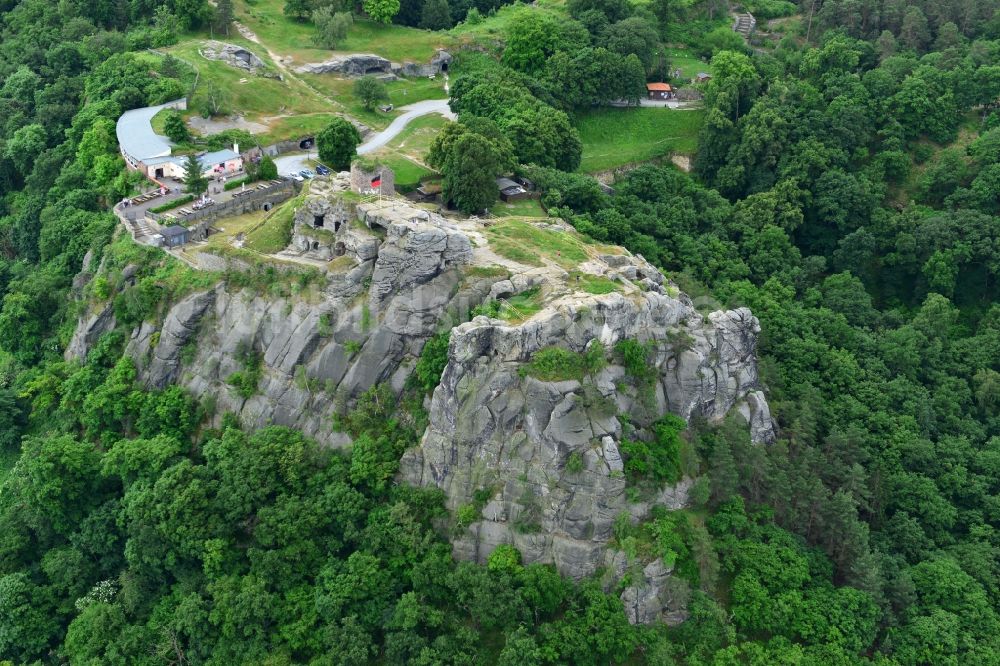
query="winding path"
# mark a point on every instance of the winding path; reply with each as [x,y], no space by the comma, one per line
[399,123]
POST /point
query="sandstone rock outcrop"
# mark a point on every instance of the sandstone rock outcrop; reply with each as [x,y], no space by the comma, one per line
[355,64]
[491,427]
[361,64]
[547,453]
[235,56]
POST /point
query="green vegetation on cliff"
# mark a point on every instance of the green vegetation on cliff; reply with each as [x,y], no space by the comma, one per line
[845,188]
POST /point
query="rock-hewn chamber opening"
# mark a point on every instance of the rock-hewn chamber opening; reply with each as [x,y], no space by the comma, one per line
[319,220]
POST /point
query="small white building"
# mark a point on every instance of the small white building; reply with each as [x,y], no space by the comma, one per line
[218,163]
[150,153]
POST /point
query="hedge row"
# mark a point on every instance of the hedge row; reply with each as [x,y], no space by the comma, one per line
[187,198]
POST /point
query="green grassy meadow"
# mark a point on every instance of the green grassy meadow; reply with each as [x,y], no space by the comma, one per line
[248,95]
[276,232]
[289,37]
[616,136]
[405,154]
[522,208]
[685,60]
[525,243]
[401,92]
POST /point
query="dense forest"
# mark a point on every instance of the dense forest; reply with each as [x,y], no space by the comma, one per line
[846,189]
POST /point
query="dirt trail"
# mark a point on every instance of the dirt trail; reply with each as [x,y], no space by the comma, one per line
[288,74]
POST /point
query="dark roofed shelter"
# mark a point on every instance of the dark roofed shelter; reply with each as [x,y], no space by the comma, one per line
[174,235]
[511,191]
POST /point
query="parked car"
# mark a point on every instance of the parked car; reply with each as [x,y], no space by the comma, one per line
[322,169]
[296,176]
[306,173]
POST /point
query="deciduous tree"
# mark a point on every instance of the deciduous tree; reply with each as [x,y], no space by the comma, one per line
[381,11]
[370,91]
[338,143]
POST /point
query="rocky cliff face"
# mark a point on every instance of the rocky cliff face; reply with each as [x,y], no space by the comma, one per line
[400,275]
[493,429]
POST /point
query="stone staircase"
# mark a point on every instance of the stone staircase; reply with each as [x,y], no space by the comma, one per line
[141,230]
[744,24]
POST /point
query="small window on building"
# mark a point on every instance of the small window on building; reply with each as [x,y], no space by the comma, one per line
[318,220]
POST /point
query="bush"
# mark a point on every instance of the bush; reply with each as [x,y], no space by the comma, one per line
[268,169]
[574,463]
[370,91]
[432,362]
[505,558]
[175,128]
[170,205]
[555,364]
[769,9]
[245,381]
[720,39]
[233,184]
[465,516]
[634,357]
[659,460]
[331,27]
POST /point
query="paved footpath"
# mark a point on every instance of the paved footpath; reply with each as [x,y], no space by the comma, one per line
[399,123]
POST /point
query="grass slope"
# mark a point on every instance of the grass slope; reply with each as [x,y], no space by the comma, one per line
[405,153]
[275,233]
[614,137]
[254,97]
[685,60]
[401,92]
[528,244]
[288,37]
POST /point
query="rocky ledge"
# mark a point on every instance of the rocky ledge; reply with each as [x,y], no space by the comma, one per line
[235,56]
[362,64]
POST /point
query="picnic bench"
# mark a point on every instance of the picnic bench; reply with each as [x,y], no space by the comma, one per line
[143,198]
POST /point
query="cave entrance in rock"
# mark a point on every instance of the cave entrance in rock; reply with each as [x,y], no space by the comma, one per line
[315,245]
[267,207]
[319,220]
[444,68]
[339,250]
[306,143]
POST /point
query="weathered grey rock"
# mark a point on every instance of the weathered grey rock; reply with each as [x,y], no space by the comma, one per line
[179,328]
[548,451]
[88,330]
[492,427]
[361,64]
[439,62]
[233,55]
[388,304]
[413,253]
[355,64]
[656,596]
[755,410]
